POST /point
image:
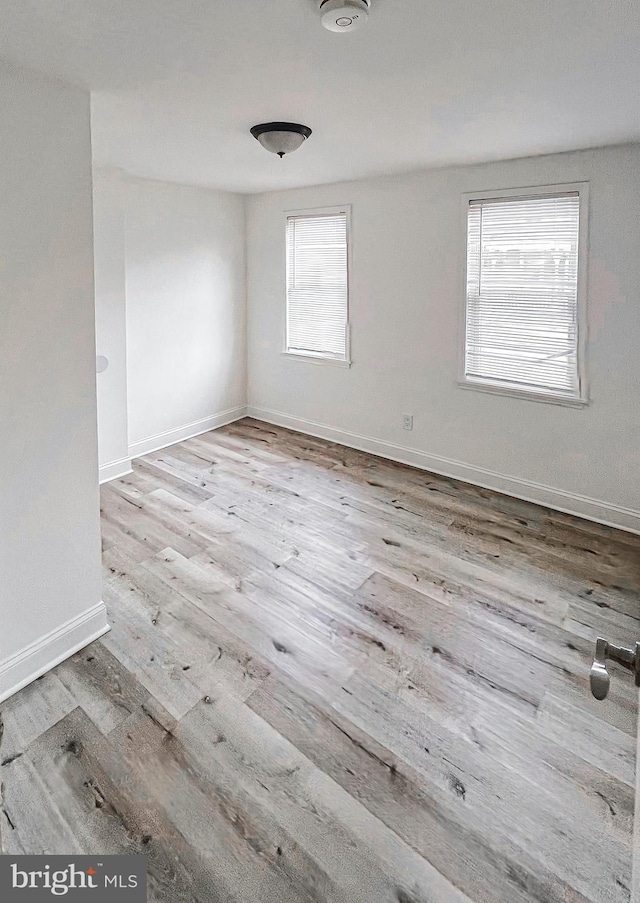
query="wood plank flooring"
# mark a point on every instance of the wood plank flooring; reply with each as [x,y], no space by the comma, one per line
[335,678]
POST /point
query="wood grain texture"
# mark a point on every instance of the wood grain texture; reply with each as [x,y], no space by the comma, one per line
[335,678]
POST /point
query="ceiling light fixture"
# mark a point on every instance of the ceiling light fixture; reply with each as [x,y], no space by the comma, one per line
[344,15]
[281,137]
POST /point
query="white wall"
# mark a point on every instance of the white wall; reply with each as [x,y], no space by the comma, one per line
[49,511]
[185,274]
[407,257]
[111,328]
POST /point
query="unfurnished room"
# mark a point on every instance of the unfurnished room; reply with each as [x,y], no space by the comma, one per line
[319,451]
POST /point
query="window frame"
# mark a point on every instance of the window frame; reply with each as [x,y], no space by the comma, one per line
[512,390]
[316,357]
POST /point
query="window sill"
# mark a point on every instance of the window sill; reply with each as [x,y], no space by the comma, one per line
[532,395]
[316,359]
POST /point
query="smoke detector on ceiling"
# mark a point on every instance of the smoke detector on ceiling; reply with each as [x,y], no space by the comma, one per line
[344,15]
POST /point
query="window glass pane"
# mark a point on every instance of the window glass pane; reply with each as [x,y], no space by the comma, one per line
[317,284]
[522,292]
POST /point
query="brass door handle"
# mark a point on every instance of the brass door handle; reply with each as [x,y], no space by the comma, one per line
[599,676]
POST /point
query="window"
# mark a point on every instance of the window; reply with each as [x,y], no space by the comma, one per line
[318,284]
[523,290]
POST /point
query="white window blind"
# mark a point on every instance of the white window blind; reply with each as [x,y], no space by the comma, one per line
[522,293]
[317,285]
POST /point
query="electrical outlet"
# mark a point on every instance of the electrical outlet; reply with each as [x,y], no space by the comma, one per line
[407,421]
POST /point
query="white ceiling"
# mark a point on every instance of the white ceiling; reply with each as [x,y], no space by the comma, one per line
[178,83]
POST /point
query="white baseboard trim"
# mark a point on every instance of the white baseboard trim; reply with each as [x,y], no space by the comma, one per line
[188,431]
[558,499]
[114,470]
[50,650]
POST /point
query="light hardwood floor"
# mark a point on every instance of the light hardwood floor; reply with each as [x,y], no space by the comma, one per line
[335,678]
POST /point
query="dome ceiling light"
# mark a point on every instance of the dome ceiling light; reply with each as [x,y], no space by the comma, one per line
[344,15]
[281,137]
